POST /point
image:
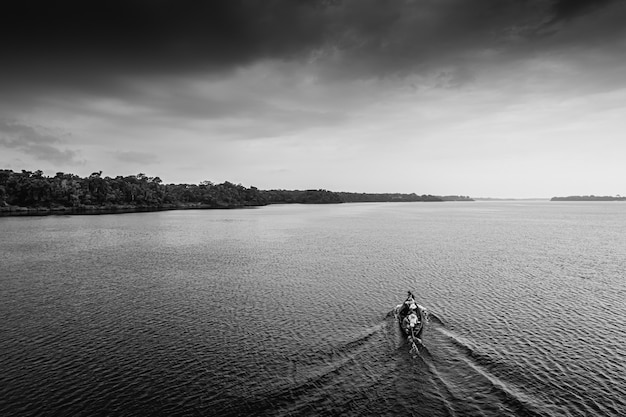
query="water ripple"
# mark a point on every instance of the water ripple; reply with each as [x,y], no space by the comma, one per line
[284,311]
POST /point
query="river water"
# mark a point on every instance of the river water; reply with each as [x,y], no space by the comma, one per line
[286,311]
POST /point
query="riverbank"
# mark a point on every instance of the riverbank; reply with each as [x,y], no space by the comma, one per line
[8,211]
[34,194]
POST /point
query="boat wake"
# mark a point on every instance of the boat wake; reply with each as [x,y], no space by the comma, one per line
[456,368]
[465,368]
[329,379]
[373,371]
[434,318]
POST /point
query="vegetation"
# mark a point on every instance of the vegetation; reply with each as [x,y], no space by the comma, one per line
[301,197]
[31,192]
[457,198]
[589,198]
[68,191]
[394,197]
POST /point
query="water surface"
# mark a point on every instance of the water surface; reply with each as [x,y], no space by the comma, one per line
[285,310]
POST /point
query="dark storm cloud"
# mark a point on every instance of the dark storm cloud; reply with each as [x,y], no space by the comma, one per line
[170,34]
[121,36]
[100,47]
[30,141]
[76,50]
[567,9]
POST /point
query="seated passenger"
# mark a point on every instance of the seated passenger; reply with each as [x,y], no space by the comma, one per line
[404,310]
[408,305]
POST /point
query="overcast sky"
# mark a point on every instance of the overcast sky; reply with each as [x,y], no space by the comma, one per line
[487,98]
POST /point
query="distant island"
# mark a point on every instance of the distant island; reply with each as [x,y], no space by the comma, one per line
[589,198]
[33,193]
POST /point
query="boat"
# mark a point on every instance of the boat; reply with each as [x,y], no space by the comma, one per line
[411,317]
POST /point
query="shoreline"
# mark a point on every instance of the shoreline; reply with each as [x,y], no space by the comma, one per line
[16,211]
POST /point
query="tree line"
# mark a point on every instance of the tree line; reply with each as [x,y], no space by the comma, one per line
[34,190]
[589,198]
[63,191]
[387,197]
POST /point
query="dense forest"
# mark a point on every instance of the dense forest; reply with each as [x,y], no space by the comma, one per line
[34,190]
[386,197]
[29,191]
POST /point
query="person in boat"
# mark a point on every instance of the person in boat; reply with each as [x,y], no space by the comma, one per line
[412,318]
[408,305]
[406,323]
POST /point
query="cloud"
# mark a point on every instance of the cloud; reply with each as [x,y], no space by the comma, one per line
[173,61]
[567,9]
[163,36]
[136,157]
[107,40]
[31,141]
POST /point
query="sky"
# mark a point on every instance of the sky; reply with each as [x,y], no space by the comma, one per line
[485,98]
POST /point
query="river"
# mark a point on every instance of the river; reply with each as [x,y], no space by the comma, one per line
[285,310]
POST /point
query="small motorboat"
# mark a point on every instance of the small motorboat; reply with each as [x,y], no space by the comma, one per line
[411,317]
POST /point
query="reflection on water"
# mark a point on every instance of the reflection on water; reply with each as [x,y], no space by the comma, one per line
[284,310]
